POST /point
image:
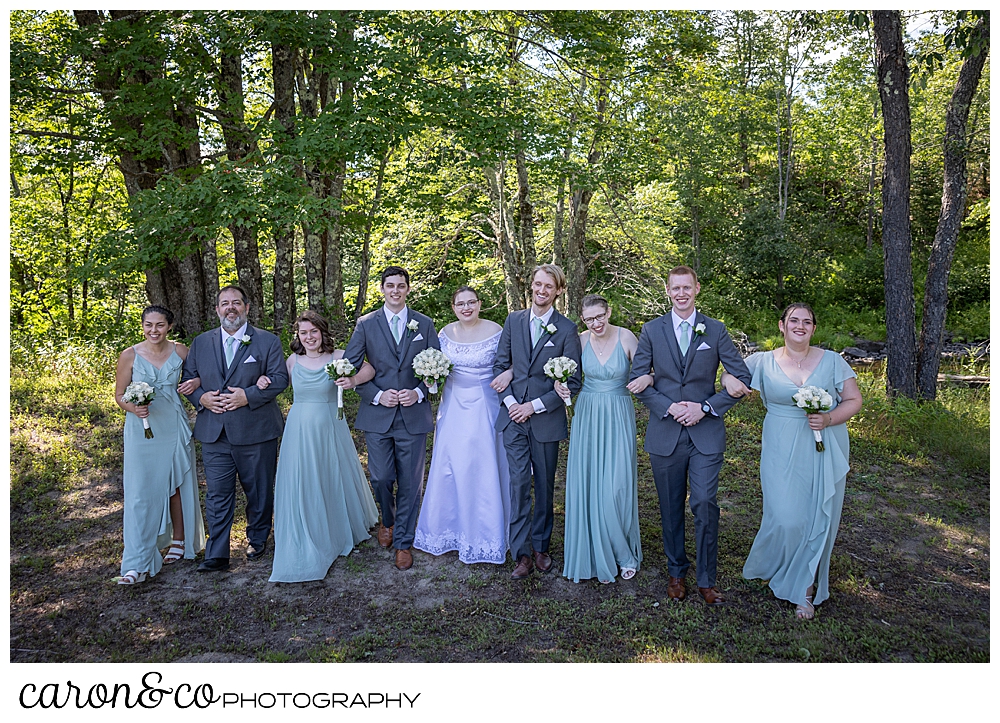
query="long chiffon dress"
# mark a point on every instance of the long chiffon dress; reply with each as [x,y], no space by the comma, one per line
[803,489]
[323,505]
[154,468]
[467,503]
[602,503]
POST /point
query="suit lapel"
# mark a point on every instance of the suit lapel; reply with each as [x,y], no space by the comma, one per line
[541,339]
[671,339]
[383,323]
[218,353]
[238,355]
[404,340]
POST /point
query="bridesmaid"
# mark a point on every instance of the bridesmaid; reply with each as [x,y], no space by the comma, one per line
[602,508]
[160,486]
[467,503]
[803,489]
[323,506]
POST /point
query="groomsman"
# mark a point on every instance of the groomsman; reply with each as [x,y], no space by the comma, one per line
[394,414]
[686,436]
[533,416]
[238,424]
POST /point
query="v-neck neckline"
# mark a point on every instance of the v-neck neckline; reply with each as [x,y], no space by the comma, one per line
[811,374]
[590,343]
[173,350]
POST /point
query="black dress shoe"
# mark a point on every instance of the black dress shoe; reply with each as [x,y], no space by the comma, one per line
[254,552]
[214,564]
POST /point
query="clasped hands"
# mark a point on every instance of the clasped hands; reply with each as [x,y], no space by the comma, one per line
[395,397]
[219,402]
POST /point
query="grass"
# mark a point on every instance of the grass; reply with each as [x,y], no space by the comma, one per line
[909,578]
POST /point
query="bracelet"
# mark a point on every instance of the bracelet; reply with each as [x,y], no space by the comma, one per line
[829,419]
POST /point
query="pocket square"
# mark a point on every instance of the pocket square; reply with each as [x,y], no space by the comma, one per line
[549,343]
[418,337]
[249,359]
[703,346]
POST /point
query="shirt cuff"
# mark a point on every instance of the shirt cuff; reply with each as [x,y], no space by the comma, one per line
[538,406]
[420,394]
[377,397]
[712,408]
[509,401]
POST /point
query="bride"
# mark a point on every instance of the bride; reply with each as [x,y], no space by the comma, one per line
[467,506]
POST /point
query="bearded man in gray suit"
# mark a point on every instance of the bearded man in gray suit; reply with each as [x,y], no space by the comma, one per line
[533,415]
[238,424]
[686,435]
[395,413]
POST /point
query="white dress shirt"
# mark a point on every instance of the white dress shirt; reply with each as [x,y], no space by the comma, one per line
[403,330]
[544,318]
[224,336]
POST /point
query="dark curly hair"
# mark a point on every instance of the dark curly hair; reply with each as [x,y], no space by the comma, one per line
[320,323]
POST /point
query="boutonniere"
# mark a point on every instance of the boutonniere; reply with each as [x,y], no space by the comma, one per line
[699,329]
[412,325]
[550,329]
[245,341]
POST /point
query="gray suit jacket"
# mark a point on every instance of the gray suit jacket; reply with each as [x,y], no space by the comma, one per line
[529,382]
[261,419]
[689,379]
[372,340]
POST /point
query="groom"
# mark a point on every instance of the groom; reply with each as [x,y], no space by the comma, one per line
[686,437]
[533,416]
[238,424]
[395,414]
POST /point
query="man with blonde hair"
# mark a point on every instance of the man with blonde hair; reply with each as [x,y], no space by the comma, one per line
[533,416]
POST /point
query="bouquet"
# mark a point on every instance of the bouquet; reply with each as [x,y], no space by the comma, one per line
[432,366]
[814,401]
[336,369]
[561,368]
[140,394]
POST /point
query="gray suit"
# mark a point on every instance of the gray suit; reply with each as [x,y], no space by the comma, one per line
[396,437]
[533,446]
[242,442]
[680,454]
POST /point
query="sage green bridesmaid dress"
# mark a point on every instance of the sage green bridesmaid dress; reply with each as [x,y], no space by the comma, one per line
[803,489]
[602,507]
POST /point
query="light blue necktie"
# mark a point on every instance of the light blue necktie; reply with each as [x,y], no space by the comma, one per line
[230,350]
[685,337]
[396,333]
[537,323]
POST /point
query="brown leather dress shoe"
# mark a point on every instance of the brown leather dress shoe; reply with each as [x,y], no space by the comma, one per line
[675,588]
[384,535]
[404,559]
[523,568]
[543,561]
[711,595]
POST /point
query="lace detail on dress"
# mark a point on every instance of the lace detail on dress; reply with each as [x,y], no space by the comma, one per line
[476,355]
[469,551]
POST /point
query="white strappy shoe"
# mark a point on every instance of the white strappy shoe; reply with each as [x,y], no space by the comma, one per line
[132,578]
[175,553]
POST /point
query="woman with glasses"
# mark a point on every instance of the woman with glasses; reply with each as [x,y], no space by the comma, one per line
[602,508]
[467,503]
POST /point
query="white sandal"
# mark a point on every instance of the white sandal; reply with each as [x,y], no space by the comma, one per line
[132,578]
[628,573]
[807,611]
[175,553]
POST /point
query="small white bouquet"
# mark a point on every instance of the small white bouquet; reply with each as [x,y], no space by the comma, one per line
[432,366]
[140,394]
[560,368]
[814,400]
[336,369]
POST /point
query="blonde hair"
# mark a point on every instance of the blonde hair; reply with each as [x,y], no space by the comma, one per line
[554,271]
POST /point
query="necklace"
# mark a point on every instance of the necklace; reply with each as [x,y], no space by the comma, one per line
[604,347]
[798,363]
[311,356]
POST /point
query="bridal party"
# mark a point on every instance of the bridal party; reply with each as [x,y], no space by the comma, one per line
[498,402]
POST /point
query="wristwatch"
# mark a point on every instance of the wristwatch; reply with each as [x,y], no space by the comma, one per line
[706,407]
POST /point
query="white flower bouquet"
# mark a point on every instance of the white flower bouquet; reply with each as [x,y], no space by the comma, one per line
[432,366]
[814,400]
[560,368]
[336,369]
[140,394]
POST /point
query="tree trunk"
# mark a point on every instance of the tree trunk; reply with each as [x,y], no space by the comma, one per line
[366,257]
[502,223]
[283,80]
[893,79]
[576,266]
[952,211]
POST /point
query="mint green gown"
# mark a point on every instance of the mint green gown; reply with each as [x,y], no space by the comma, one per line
[602,505]
[153,469]
[323,505]
[803,489]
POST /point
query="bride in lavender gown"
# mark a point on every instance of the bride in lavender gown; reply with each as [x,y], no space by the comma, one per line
[466,505]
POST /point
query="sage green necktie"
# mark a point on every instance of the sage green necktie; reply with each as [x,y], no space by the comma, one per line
[230,350]
[538,331]
[685,337]
[396,333]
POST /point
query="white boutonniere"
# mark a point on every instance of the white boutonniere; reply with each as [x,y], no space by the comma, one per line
[699,329]
[245,340]
[412,325]
[550,329]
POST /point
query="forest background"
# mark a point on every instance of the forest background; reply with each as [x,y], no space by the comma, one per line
[158,154]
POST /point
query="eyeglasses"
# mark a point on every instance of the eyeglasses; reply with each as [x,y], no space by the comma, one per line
[465,304]
[595,319]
